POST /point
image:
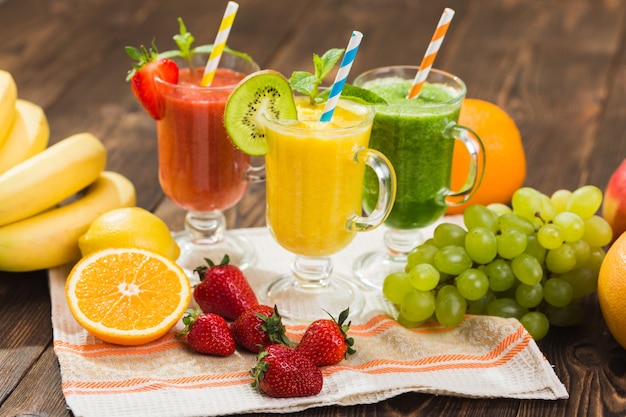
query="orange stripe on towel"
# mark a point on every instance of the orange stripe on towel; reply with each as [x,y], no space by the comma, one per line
[504,351]
[136,385]
[100,349]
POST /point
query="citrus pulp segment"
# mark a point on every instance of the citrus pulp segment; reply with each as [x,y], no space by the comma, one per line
[127,296]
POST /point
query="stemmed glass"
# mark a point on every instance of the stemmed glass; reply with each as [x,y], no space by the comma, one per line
[314,179]
[200,170]
[418,136]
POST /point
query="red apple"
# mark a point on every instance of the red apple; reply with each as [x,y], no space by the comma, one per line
[614,205]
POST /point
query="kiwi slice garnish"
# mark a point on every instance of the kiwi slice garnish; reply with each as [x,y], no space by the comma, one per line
[263,94]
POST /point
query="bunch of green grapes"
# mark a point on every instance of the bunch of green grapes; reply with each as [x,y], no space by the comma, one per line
[533,261]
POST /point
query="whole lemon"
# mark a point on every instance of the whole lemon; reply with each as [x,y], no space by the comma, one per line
[129,227]
[612,289]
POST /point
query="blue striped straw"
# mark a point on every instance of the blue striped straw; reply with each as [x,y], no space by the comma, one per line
[342,76]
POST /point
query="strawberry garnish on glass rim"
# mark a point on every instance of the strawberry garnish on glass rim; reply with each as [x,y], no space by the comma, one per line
[142,77]
[149,63]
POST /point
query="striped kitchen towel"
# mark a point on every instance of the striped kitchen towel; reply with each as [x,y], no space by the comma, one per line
[484,357]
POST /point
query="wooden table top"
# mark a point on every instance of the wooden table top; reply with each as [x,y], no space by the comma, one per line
[558,67]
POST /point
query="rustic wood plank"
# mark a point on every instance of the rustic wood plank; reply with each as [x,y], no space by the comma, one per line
[608,149]
[47,46]
[25,326]
[548,66]
[556,67]
[39,392]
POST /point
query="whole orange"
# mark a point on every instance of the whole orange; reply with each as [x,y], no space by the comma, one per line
[505,166]
[612,289]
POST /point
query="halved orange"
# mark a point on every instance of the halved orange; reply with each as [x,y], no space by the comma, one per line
[127,296]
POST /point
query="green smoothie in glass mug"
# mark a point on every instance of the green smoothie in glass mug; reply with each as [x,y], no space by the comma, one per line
[417,135]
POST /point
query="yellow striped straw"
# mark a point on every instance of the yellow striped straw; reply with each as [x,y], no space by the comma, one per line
[219,44]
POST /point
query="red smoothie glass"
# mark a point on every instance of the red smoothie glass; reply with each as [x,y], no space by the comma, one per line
[200,169]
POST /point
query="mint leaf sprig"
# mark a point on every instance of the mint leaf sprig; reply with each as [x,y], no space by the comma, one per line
[309,84]
[184,39]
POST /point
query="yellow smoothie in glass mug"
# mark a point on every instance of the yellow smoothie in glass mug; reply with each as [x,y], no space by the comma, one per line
[316,160]
[314,174]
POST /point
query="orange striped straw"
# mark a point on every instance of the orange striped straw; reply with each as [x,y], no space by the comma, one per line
[219,44]
[431,52]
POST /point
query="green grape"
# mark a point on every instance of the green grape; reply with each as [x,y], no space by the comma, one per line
[570,315]
[511,220]
[447,234]
[444,278]
[598,231]
[499,209]
[582,251]
[557,292]
[529,296]
[534,248]
[560,198]
[572,226]
[422,254]
[561,259]
[500,275]
[526,202]
[472,284]
[536,324]
[480,306]
[450,306]
[596,256]
[417,305]
[585,201]
[547,212]
[477,215]
[511,242]
[550,236]
[584,282]
[452,260]
[424,277]
[403,321]
[527,269]
[506,307]
[396,285]
[481,245]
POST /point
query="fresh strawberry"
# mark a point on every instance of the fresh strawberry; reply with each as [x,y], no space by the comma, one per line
[259,327]
[142,77]
[326,341]
[208,333]
[223,290]
[282,372]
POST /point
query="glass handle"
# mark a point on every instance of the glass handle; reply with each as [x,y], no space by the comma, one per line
[255,174]
[476,151]
[386,190]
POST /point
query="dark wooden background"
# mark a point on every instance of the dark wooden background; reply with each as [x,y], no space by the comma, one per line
[557,67]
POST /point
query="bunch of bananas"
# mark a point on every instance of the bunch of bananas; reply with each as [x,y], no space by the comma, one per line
[49,195]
